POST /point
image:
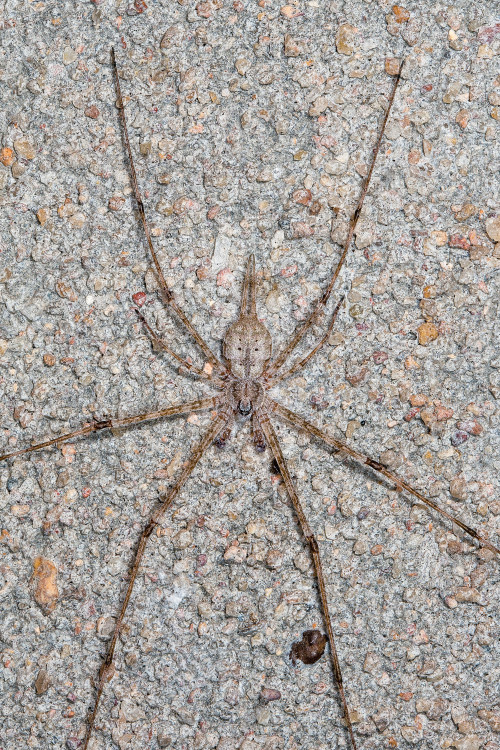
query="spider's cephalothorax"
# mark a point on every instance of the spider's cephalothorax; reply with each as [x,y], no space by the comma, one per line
[247,348]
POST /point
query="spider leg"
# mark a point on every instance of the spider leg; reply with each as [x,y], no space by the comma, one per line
[399,483]
[106,671]
[167,293]
[302,362]
[111,424]
[183,362]
[272,440]
[321,302]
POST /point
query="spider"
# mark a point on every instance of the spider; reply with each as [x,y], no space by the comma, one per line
[243,379]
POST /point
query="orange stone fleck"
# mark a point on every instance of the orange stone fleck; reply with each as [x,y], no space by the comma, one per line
[44,581]
[7,156]
[427,332]
[400,14]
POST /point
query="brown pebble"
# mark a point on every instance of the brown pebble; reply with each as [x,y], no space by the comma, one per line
[471,426]
[310,648]
[418,399]
[302,196]
[344,39]
[25,148]
[42,215]
[49,360]
[427,332]
[458,240]
[44,582]
[92,112]
[212,212]
[42,682]
[458,488]
[116,202]
[7,156]
[492,227]
[139,298]
[270,694]
[357,377]
[301,229]
[392,66]
[182,205]
[462,118]
[379,357]
[442,414]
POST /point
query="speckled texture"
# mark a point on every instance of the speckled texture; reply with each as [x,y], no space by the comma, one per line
[233,107]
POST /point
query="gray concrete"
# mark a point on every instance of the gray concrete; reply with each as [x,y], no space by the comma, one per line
[229,117]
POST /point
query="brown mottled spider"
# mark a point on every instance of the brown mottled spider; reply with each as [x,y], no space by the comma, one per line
[242,380]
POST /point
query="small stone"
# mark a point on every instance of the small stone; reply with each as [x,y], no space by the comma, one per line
[492,227]
[42,682]
[462,118]
[355,378]
[44,581]
[352,426]
[418,399]
[458,488]
[319,106]
[299,155]
[182,205]
[269,694]
[49,360]
[379,357]
[467,594]
[288,11]
[235,553]
[360,547]
[163,739]
[392,65]
[185,716]
[69,56]
[293,47]
[242,65]
[131,711]
[458,438]
[427,332]
[300,229]
[356,311]
[64,290]
[77,220]
[183,539]
[471,742]
[344,39]
[263,715]
[116,202]
[274,559]
[471,426]
[42,215]
[302,196]
[265,175]
[92,112]
[7,157]
[24,148]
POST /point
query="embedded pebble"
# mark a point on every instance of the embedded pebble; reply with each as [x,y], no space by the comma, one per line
[492,226]
[44,581]
[25,148]
[427,332]
[344,39]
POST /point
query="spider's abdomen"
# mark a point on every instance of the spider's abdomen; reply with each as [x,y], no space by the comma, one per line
[247,347]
